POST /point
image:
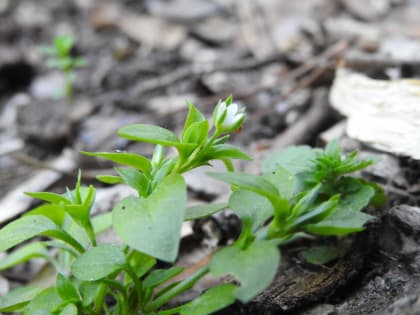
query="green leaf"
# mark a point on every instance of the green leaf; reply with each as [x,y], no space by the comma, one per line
[16,299]
[153,225]
[150,134]
[63,44]
[61,63]
[162,171]
[78,232]
[210,301]
[134,179]
[247,181]
[203,210]
[379,199]
[159,276]
[66,289]
[69,309]
[55,213]
[196,133]
[29,226]
[317,214]
[294,159]
[320,255]
[88,291]
[140,262]
[43,303]
[25,253]
[81,212]
[347,217]
[222,151]
[194,116]
[304,204]
[49,197]
[333,149]
[98,262]
[129,159]
[252,206]
[283,180]
[110,179]
[102,222]
[255,267]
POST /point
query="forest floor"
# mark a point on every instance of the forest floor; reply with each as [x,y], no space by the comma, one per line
[277,58]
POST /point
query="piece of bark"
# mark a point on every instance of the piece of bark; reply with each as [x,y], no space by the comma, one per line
[382,113]
[16,202]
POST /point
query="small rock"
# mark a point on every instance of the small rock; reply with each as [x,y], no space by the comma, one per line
[43,122]
[153,32]
[165,105]
[367,10]
[323,309]
[216,30]
[50,85]
[4,286]
[346,28]
[183,10]
[401,233]
[90,139]
[30,14]
[8,117]
[401,48]
[199,53]
[407,305]
[4,5]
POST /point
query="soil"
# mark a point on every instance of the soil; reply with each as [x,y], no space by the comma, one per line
[278,58]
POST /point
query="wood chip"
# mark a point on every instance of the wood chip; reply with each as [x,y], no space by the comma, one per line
[384,114]
[16,202]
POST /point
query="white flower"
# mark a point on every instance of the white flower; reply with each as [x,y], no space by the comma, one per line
[228,118]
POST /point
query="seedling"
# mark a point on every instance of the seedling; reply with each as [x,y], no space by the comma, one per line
[59,57]
[293,196]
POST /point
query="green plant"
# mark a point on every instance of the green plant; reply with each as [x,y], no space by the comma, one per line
[302,191]
[275,207]
[149,225]
[59,57]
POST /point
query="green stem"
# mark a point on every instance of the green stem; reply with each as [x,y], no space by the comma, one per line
[91,233]
[118,286]
[137,283]
[100,298]
[69,100]
[122,303]
[189,163]
[176,290]
[171,311]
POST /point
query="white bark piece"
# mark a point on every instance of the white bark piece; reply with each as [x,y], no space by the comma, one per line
[382,113]
[16,202]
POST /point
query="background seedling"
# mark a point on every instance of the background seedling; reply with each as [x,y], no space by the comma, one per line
[60,57]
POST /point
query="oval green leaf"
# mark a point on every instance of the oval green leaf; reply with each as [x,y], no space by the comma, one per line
[210,301]
[130,159]
[98,262]
[203,210]
[18,298]
[153,225]
[150,134]
[254,267]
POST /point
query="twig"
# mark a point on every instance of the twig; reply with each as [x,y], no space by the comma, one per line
[200,70]
[307,126]
[358,60]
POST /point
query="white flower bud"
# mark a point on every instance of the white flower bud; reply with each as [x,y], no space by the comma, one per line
[228,118]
